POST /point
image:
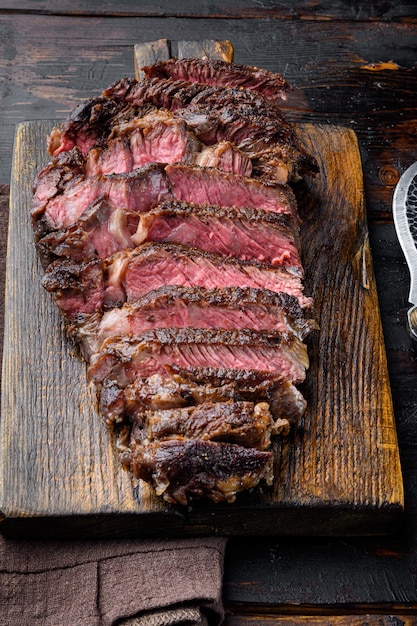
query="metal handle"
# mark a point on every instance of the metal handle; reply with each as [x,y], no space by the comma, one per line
[412,323]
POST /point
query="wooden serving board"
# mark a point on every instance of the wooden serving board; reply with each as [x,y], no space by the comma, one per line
[339,470]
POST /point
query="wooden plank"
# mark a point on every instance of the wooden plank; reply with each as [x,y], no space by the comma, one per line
[338,473]
[303,9]
[206,48]
[149,53]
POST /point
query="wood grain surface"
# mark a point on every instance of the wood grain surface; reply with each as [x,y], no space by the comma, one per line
[339,472]
[301,9]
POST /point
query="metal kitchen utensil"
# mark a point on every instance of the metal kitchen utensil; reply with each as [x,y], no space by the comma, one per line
[405,220]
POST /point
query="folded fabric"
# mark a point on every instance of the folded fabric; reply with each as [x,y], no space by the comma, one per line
[104,583]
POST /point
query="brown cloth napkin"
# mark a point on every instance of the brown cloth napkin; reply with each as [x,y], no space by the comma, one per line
[104,583]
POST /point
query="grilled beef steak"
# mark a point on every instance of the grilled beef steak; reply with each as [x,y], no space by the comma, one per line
[244,423]
[123,358]
[183,470]
[221,73]
[153,265]
[170,241]
[181,307]
[248,234]
[180,387]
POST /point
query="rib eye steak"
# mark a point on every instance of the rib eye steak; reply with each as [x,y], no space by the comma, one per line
[169,234]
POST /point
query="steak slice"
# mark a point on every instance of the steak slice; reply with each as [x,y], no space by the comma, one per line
[124,358]
[285,401]
[202,185]
[244,423]
[162,93]
[158,392]
[91,122]
[78,288]
[102,230]
[248,234]
[136,191]
[229,308]
[216,72]
[255,126]
[226,157]
[155,138]
[184,387]
[182,470]
[131,274]
[153,265]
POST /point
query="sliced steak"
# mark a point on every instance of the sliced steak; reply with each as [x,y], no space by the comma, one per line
[136,191]
[158,392]
[226,157]
[78,288]
[124,358]
[171,245]
[255,126]
[183,387]
[151,266]
[155,138]
[91,122]
[202,185]
[102,230]
[244,423]
[181,307]
[248,234]
[216,72]
[183,470]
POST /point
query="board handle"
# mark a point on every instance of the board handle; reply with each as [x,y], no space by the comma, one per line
[152,52]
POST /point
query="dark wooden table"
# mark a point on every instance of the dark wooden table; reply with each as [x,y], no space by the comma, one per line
[353,64]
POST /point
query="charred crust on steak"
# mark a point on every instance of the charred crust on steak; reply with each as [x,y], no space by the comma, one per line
[182,470]
[217,72]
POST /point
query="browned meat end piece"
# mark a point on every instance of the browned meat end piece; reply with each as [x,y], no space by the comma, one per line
[244,423]
[91,122]
[78,288]
[159,392]
[216,72]
[285,400]
[183,470]
[187,387]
